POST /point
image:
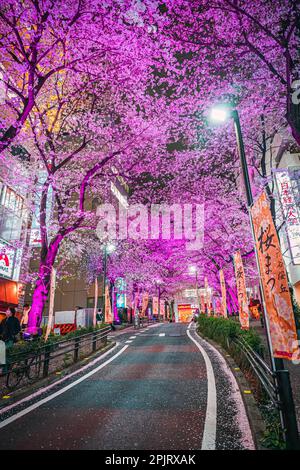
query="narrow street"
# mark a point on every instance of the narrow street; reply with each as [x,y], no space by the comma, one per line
[152,395]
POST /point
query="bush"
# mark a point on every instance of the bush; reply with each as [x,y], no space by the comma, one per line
[28,347]
[224,330]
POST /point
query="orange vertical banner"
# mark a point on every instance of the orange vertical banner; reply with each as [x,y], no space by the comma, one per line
[275,283]
[162,308]
[108,312]
[223,291]
[155,305]
[241,290]
[202,304]
[207,297]
[145,303]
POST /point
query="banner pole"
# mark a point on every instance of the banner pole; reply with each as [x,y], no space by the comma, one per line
[287,412]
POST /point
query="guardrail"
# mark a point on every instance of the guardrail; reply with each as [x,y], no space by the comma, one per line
[25,368]
[263,372]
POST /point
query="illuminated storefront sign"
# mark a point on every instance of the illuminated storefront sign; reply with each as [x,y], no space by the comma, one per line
[290,213]
[185,313]
[7,260]
[120,289]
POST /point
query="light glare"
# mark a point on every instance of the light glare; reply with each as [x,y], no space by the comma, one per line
[218,114]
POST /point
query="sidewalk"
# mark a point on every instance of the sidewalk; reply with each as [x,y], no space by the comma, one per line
[294,369]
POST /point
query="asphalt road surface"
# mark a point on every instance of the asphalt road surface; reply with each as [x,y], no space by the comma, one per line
[160,388]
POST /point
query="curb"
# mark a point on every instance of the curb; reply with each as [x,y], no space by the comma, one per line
[34,387]
[257,424]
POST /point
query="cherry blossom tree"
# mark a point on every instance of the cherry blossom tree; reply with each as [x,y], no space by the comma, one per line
[41,42]
[123,89]
[248,50]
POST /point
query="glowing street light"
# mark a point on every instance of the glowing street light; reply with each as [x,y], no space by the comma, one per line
[193,270]
[110,248]
[219,114]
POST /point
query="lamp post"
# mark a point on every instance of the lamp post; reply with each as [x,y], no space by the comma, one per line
[107,249]
[193,270]
[221,114]
[158,283]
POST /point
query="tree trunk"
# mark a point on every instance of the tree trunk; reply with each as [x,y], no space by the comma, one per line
[42,287]
[295,129]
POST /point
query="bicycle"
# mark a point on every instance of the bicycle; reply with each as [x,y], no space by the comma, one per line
[27,368]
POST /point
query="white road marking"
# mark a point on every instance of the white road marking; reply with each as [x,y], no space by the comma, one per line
[242,418]
[59,392]
[210,425]
[129,341]
[132,337]
[54,384]
[162,334]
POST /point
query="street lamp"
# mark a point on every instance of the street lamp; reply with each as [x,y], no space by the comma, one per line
[220,114]
[193,270]
[158,283]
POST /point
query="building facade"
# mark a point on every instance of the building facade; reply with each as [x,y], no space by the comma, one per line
[283,169]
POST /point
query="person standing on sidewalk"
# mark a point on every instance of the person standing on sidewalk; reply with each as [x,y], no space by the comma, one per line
[136,319]
[24,319]
[10,327]
[99,316]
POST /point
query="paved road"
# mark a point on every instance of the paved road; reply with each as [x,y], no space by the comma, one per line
[152,396]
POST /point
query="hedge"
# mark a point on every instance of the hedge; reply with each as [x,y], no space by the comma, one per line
[223,330]
[28,347]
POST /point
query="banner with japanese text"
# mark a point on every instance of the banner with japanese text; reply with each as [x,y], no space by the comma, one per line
[207,296]
[275,283]
[162,308]
[155,305]
[241,291]
[108,312]
[223,292]
[145,303]
[202,303]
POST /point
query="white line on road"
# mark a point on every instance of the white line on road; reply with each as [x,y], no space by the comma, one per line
[132,337]
[63,379]
[162,334]
[129,341]
[210,426]
[59,392]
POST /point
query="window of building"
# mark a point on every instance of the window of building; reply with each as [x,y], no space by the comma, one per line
[11,200]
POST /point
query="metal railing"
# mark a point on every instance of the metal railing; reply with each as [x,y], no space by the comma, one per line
[23,368]
[263,372]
